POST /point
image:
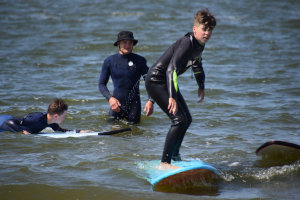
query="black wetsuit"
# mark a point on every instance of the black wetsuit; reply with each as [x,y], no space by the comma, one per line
[161,84]
[125,71]
[33,123]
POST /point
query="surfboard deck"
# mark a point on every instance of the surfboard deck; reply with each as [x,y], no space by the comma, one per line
[275,153]
[77,135]
[192,177]
[67,134]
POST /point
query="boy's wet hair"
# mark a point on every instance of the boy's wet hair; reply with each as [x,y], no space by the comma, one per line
[206,18]
[57,106]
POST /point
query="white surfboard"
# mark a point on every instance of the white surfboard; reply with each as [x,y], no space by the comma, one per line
[76,135]
[68,134]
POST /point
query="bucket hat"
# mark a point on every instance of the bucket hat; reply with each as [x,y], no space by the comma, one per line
[125,35]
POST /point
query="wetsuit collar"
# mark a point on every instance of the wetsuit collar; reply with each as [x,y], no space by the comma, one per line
[192,34]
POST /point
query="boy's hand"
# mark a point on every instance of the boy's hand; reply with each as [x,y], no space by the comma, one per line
[172,107]
[201,94]
[85,131]
[26,132]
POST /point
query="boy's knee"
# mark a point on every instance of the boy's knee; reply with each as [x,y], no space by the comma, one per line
[181,121]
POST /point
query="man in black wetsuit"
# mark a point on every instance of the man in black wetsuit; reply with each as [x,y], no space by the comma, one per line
[35,122]
[125,69]
[162,86]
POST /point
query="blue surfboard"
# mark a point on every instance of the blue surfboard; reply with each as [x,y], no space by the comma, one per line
[192,177]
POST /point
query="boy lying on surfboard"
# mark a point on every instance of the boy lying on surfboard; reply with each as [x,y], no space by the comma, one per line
[35,122]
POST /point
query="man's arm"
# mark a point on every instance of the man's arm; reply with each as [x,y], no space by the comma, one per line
[103,80]
[102,85]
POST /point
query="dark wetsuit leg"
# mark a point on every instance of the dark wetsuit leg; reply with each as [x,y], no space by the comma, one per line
[12,125]
[3,119]
[180,121]
[188,120]
[132,112]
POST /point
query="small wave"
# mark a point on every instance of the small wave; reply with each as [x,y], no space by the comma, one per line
[234,164]
[227,176]
[272,172]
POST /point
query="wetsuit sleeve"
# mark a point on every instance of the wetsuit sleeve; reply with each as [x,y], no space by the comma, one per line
[144,72]
[199,73]
[145,68]
[103,80]
[56,127]
[180,55]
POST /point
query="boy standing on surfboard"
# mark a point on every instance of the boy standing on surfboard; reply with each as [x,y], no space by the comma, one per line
[125,69]
[162,85]
[35,122]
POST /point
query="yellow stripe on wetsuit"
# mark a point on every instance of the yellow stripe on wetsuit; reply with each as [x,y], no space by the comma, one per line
[175,80]
[197,72]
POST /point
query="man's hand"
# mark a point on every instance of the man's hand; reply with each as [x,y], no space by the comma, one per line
[201,95]
[148,108]
[114,104]
[172,107]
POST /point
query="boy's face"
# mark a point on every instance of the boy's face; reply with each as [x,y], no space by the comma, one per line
[202,33]
[60,118]
[125,47]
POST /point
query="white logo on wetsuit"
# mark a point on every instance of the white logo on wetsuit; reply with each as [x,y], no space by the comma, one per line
[130,63]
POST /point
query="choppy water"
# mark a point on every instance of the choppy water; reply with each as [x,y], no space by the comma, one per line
[56,49]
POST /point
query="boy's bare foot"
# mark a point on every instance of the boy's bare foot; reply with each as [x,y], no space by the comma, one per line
[166,166]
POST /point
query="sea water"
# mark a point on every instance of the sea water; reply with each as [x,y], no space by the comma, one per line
[56,49]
